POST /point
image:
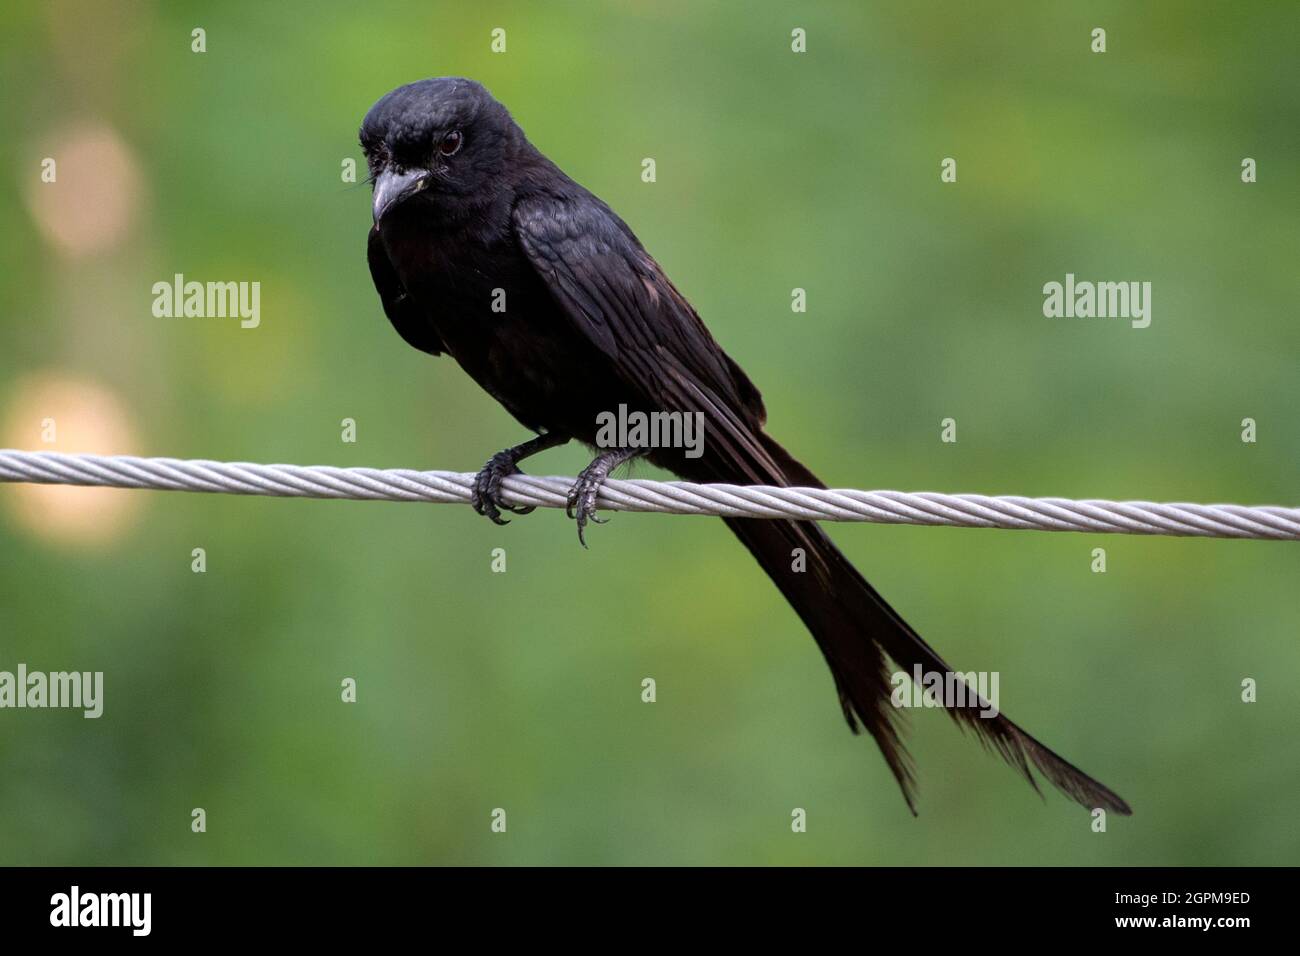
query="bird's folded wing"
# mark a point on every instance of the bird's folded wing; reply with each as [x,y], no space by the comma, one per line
[411,322]
[618,297]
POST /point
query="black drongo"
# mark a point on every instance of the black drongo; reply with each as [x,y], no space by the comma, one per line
[484,249]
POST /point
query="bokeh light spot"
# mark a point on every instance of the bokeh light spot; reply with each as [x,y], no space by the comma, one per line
[86,417]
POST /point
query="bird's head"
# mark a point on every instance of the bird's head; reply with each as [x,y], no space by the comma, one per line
[439,140]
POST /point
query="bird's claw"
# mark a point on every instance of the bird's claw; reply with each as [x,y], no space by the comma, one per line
[581,504]
[485,496]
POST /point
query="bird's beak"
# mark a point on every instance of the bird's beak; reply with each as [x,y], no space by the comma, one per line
[392,188]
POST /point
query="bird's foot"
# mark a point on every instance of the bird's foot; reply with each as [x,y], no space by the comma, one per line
[581,505]
[582,499]
[485,496]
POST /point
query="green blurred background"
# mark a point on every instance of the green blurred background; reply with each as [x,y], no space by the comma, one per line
[522,690]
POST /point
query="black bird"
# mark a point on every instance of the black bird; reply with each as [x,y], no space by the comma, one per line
[484,249]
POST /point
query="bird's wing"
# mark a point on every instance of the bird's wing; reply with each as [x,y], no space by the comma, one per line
[618,297]
[411,322]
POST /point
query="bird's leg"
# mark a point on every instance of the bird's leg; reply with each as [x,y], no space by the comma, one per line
[582,497]
[485,497]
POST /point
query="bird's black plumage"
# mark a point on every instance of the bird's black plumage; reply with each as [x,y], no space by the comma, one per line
[468,211]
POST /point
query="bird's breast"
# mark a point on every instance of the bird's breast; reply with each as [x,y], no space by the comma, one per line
[499,322]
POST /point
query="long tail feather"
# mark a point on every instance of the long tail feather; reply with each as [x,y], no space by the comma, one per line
[859,632]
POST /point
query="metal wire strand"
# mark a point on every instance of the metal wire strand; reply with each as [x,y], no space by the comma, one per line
[663,497]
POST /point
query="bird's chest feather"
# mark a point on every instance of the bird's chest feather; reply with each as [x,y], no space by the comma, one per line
[495,317]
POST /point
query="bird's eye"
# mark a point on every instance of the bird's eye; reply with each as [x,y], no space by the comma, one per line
[451,143]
